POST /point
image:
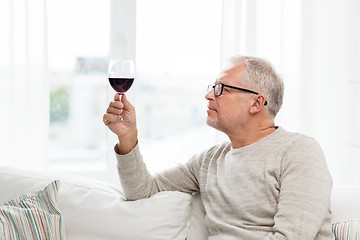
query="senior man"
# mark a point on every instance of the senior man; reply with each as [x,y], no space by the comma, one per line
[265,183]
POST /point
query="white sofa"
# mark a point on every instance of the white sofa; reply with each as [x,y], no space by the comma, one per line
[93,209]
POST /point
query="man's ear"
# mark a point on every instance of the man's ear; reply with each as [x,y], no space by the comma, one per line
[258,103]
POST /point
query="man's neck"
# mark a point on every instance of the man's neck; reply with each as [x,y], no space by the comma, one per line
[250,135]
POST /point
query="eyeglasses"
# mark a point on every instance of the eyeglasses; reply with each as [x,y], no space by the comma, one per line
[219,87]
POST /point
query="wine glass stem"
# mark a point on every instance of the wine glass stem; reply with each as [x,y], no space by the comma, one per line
[120,118]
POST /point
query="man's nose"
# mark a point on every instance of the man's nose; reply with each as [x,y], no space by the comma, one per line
[210,95]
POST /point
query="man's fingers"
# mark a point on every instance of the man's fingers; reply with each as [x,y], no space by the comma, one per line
[117,97]
[113,110]
[109,118]
[116,104]
[124,103]
[117,108]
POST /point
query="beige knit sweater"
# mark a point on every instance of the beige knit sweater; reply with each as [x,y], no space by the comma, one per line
[276,188]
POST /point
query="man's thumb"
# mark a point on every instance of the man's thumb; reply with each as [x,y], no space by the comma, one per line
[126,102]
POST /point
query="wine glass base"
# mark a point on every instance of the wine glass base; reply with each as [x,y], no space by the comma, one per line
[120,121]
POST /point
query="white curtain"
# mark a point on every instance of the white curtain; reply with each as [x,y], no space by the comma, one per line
[24,88]
[315,47]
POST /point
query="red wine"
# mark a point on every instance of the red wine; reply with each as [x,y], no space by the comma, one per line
[121,84]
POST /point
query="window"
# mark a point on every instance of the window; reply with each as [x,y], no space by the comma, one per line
[177,56]
[78,36]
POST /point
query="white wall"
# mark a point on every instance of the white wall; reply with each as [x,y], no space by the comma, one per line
[330,82]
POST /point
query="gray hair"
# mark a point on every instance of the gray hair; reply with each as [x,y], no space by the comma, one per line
[260,75]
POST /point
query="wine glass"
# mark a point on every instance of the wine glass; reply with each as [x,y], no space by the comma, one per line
[121,75]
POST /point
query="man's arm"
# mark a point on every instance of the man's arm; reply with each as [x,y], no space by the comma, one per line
[305,189]
[138,183]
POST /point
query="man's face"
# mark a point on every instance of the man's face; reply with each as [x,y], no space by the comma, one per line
[231,109]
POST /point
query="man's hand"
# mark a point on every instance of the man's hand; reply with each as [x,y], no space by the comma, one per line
[127,130]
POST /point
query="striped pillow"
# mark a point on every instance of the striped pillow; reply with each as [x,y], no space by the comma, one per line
[32,216]
[348,230]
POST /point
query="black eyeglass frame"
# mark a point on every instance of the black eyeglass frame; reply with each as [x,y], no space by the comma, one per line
[233,87]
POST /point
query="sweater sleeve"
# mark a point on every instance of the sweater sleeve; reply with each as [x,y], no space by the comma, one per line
[305,189]
[138,183]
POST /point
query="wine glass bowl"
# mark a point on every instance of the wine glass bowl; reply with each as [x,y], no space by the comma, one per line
[121,74]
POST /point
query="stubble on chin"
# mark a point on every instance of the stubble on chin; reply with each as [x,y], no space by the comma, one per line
[224,125]
[211,122]
[215,123]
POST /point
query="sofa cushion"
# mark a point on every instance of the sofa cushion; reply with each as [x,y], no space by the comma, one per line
[97,210]
[347,230]
[32,216]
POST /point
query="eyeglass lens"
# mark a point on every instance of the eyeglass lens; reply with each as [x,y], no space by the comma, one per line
[217,89]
